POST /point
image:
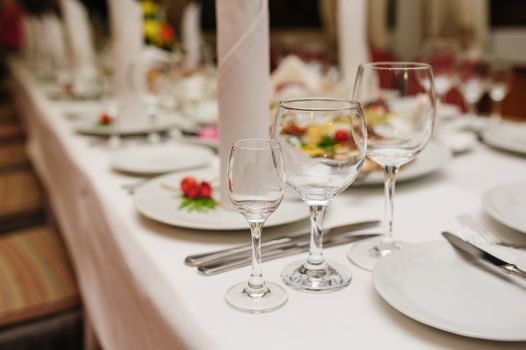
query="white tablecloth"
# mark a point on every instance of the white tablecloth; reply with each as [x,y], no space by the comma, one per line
[139,294]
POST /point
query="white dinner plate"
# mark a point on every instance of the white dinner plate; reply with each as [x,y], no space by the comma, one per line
[160,159]
[132,127]
[431,159]
[508,136]
[156,202]
[507,204]
[436,285]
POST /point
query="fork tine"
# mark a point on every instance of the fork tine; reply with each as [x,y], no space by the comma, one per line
[469,222]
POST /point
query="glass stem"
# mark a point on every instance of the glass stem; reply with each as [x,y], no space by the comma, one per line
[472,108]
[497,109]
[256,284]
[317,214]
[386,242]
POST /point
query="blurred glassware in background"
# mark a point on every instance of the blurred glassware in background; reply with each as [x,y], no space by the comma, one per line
[473,78]
[442,54]
[500,79]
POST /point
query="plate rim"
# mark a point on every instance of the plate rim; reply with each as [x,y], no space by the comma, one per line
[436,145]
[417,317]
[203,149]
[496,142]
[164,122]
[495,215]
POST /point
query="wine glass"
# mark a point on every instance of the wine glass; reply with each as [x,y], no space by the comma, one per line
[399,104]
[441,54]
[323,143]
[256,184]
[500,76]
[473,80]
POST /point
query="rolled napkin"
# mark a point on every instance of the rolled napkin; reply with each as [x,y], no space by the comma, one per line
[56,44]
[80,40]
[352,38]
[30,44]
[243,77]
[128,69]
[191,32]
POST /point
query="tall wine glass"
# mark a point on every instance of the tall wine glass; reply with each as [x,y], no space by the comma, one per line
[323,143]
[256,183]
[400,106]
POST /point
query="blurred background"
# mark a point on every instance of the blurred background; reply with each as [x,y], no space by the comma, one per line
[470,37]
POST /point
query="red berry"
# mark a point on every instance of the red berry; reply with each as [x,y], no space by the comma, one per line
[205,190]
[187,183]
[341,136]
[192,193]
[105,119]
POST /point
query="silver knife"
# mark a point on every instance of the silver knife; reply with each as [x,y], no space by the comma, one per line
[199,259]
[483,255]
[300,247]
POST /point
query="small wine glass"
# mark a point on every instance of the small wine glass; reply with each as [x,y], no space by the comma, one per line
[256,184]
[500,74]
[323,143]
[473,81]
[400,106]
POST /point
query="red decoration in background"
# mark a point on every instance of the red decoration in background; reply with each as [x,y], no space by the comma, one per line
[11,34]
[167,33]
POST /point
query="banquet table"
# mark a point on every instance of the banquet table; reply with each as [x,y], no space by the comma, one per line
[139,294]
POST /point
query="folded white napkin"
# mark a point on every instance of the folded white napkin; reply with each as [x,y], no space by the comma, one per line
[55,42]
[352,38]
[191,33]
[292,70]
[80,40]
[30,42]
[128,72]
[243,77]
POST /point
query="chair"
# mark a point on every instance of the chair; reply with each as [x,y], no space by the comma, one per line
[13,156]
[20,200]
[39,299]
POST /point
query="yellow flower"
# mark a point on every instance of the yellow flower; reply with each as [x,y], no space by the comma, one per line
[152,30]
[148,7]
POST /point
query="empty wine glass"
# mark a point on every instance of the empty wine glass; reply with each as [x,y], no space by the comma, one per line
[256,183]
[399,103]
[323,143]
[473,80]
[500,76]
[441,54]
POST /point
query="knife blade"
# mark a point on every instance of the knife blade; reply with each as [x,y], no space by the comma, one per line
[217,267]
[202,258]
[483,255]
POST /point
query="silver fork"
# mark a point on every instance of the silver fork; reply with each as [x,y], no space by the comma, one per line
[476,229]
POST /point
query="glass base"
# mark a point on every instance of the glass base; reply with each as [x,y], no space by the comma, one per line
[366,253]
[328,277]
[237,297]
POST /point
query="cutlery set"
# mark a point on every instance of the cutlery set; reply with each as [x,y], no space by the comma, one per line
[215,262]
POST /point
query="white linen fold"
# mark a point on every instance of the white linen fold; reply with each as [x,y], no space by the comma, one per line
[243,76]
[128,66]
